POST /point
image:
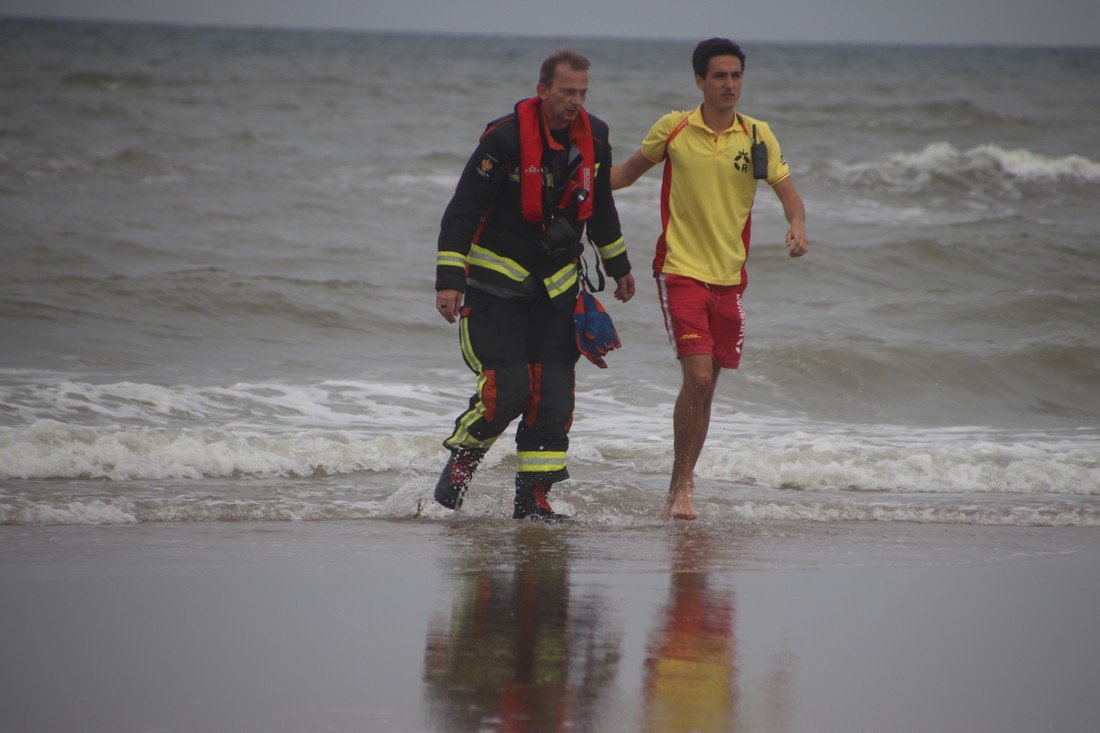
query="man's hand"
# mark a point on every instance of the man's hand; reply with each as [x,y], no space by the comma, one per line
[797,242]
[795,212]
[447,303]
[625,291]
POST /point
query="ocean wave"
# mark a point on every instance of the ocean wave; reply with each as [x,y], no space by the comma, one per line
[211,293]
[754,469]
[442,180]
[881,110]
[1000,373]
[928,513]
[990,168]
[23,510]
[107,80]
[67,404]
[908,466]
[54,450]
[905,465]
[128,163]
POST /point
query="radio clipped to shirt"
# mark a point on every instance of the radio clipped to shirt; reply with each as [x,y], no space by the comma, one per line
[759,158]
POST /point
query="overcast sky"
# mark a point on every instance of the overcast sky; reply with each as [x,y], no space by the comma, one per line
[1028,22]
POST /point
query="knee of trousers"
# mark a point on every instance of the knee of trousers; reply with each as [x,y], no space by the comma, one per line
[511,385]
[553,394]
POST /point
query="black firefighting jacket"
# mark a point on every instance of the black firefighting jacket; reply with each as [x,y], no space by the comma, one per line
[484,240]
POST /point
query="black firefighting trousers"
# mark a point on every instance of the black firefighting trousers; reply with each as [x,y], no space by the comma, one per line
[524,353]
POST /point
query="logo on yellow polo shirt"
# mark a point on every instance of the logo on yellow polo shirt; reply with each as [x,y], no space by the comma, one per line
[741,162]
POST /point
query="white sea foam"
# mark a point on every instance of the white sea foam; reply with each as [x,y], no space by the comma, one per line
[92,511]
[50,449]
[855,210]
[327,403]
[929,513]
[442,180]
[987,164]
[1027,165]
[179,508]
[754,468]
[413,500]
[913,463]
[909,466]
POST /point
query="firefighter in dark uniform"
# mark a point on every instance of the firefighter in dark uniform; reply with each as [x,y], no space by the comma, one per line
[507,270]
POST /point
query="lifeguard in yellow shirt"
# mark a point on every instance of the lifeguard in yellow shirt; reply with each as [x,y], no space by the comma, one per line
[714,156]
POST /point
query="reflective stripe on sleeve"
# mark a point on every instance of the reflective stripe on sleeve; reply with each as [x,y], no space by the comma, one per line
[614,249]
[450,259]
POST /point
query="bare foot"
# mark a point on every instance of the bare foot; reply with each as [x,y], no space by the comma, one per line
[685,512]
[679,505]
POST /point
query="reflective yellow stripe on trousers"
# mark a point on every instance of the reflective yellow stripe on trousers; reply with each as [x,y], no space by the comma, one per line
[461,436]
[540,461]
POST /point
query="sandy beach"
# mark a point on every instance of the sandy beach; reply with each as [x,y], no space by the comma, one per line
[474,624]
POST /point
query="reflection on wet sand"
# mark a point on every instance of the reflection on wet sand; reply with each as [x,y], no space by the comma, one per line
[518,653]
[548,631]
[695,673]
[691,668]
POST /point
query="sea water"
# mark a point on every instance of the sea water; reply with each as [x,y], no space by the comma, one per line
[217,252]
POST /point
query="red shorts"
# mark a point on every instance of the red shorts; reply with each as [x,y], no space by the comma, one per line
[703,319]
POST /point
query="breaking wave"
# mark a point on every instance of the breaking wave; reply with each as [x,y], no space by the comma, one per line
[985,168]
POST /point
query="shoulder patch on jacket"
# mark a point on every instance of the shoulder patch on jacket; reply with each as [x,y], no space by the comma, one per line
[485,167]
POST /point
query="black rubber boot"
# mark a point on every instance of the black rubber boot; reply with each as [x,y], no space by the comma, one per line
[531,504]
[456,476]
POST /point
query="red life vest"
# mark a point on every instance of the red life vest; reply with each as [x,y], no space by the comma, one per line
[529,112]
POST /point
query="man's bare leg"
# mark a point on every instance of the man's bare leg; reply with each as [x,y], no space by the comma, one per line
[690,422]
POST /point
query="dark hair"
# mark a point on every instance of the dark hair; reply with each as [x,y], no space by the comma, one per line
[711,47]
[576,61]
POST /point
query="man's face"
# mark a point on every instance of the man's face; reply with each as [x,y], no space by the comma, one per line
[722,84]
[563,98]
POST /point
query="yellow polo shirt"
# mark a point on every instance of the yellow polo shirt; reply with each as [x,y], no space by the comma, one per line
[707,194]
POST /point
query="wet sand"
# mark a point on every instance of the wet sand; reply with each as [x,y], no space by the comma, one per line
[482,625]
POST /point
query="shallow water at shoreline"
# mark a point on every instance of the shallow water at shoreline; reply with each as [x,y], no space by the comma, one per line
[785,626]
